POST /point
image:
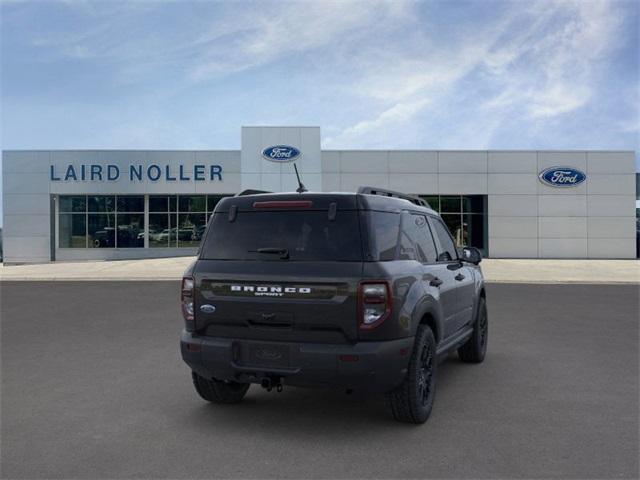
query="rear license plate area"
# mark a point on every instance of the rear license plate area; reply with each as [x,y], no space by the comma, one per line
[266,355]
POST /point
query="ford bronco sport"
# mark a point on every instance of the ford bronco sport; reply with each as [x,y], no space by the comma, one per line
[355,290]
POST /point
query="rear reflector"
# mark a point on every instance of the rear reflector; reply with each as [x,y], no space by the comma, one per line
[284,204]
[193,347]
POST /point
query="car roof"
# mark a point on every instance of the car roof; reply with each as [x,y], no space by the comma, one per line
[322,201]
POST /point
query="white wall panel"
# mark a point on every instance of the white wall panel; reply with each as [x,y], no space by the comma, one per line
[562,227]
[612,205]
[512,183]
[513,247]
[330,162]
[612,227]
[514,227]
[611,162]
[513,162]
[462,162]
[562,247]
[462,183]
[229,160]
[231,183]
[575,159]
[26,249]
[349,182]
[331,182]
[413,162]
[356,161]
[313,182]
[562,205]
[26,226]
[612,248]
[16,183]
[599,184]
[413,183]
[25,204]
[30,161]
[513,205]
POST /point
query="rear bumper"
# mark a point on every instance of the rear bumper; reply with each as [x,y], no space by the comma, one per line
[370,366]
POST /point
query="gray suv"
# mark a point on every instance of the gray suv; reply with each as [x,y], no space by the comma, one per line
[355,290]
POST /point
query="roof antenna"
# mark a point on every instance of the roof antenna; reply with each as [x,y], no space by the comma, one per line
[301,188]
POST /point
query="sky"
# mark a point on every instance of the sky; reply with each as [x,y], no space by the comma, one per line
[372,74]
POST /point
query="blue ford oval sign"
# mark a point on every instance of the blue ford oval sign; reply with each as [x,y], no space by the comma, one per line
[562,177]
[281,153]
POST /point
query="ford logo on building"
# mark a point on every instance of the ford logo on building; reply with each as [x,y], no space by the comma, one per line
[281,153]
[562,177]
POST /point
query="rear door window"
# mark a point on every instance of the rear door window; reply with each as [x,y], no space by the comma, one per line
[424,239]
[416,242]
[447,251]
[304,235]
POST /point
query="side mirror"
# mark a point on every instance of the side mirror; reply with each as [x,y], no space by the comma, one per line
[471,255]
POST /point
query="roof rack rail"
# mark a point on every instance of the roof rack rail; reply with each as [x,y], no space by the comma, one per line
[390,193]
[250,192]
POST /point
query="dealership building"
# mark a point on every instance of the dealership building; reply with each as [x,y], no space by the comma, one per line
[120,204]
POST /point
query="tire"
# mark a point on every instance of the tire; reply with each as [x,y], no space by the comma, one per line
[217,391]
[412,401]
[475,349]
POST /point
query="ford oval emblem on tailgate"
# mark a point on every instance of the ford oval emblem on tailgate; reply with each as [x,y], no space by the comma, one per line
[206,308]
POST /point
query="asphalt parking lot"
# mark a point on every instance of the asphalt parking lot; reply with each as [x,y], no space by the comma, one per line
[93,387]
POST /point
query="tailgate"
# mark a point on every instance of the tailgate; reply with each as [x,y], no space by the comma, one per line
[278,301]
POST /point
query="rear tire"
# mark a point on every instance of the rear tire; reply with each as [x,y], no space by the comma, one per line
[412,401]
[217,391]
[475,349]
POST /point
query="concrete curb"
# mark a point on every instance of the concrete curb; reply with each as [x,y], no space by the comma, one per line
[607,272]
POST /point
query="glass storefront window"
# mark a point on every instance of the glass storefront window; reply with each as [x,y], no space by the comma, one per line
[212,201]
[192,203]
[191,227]
[130,230]
[474,230]
[118,221]
[158,203]
[159,232]
[465,216]
[434,202]
[73,203]
[450,204]
[101,230]
[102,203]
[73,230]
[473,204]
[454,224]
[131,203]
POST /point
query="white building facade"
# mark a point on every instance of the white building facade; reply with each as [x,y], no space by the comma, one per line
[120,204]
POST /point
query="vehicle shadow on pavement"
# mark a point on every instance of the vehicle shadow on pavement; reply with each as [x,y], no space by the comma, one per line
[310,409]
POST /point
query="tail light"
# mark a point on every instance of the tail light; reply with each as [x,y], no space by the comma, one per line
[186,300]
[374,304]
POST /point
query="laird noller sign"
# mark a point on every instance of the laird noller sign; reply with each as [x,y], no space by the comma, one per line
[135,173]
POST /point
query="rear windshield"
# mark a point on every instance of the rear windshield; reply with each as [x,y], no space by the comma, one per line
[284,236]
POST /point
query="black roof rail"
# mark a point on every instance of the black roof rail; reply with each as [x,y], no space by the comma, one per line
[250,192]
[390,193]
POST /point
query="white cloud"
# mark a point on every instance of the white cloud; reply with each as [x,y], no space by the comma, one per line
[540,59]
[255,38]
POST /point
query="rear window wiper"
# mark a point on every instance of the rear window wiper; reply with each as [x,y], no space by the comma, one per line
[283,252]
